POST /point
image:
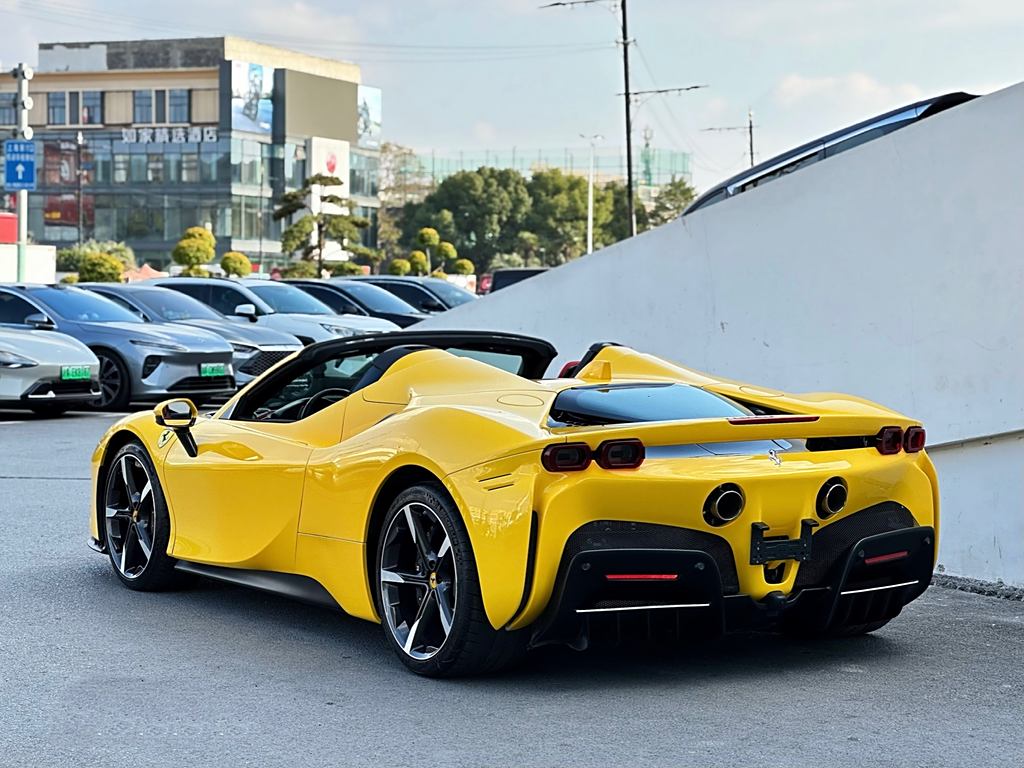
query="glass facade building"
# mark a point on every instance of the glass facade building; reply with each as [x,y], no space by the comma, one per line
[212,145]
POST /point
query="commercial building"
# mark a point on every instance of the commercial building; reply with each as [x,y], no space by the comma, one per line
[139,140]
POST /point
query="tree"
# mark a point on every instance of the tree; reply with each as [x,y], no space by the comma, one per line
[197,247]
[479,212]
[462,267]
[310,232]
[100,268]
[428,240]
[235,263]
[446,254]
[399,267]
[346,268]
[673,198]
[558,215]
[527,247]
[617,227]
[418,263]
[301,269]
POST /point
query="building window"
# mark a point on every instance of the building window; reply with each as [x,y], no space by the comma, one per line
[155,169]
[56,108]
[161,106]
[8,113]
[143,107]
[92,108]
[121,164]
[178,105]
[74,115]
[189,167]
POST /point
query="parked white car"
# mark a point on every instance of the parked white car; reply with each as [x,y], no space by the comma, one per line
[46,372]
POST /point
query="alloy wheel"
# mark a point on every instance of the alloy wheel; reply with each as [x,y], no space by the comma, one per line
[418,581]
[111,381]
[130,516]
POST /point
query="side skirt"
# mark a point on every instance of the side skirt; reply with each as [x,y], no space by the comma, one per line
[289,585]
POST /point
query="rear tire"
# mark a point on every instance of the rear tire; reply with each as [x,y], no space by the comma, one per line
[428,591]
[135,524]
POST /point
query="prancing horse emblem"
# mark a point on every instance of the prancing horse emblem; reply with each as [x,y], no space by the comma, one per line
[774,456]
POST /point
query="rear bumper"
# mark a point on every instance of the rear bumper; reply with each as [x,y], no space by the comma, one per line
[867,582]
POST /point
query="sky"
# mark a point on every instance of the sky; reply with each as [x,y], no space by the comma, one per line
[504,74]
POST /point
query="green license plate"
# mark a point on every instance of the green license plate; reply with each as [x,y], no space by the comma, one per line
[75,372]
[213,369]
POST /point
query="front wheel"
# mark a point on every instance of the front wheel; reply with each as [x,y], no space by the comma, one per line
[429,592]
[136,524]
[115,386]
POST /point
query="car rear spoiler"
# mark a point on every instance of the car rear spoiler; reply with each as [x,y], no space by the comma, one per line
[744,428]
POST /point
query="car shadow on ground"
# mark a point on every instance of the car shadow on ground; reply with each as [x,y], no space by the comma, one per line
[315,634]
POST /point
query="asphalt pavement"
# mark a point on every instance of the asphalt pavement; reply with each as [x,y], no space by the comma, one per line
[93,674]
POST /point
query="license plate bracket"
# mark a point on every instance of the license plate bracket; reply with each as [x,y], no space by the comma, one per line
[75,373]
[764,550]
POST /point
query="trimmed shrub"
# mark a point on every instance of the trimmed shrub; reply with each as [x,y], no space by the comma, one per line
[399,267]
[235,263]
[463,267]
[100,268]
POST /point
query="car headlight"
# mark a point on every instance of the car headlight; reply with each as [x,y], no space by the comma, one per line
[243,349]
[338,330]
[164,346]
[13,360]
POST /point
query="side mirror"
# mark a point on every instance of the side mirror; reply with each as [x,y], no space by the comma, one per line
[179,416]
[246,310]
[40,322]
[433,305]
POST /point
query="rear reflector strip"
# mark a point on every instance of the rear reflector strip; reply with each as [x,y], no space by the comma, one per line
[878,559]
[645,607]
[878,589]
[642,576]
[784,419]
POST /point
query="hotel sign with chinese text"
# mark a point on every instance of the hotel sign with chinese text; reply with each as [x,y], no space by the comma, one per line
[191,134]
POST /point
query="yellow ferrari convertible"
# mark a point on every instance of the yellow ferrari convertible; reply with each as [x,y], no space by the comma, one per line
[436,483]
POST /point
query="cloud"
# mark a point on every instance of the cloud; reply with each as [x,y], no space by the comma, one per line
[856,92]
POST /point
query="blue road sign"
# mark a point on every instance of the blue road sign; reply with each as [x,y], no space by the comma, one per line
[19,165]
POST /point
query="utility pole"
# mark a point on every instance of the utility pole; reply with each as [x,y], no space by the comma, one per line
[749,128]
[630,212]
[590,191]
[23,103]
[625,41]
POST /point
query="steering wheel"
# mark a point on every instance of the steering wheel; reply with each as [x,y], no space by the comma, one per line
[309,406]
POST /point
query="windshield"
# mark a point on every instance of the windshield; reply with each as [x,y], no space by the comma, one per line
[450,294]
[632,403]
[83,306]
[173,306]
[377,299]
[289,299]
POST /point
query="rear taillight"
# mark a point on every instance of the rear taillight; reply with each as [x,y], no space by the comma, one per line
[568,369]
[889,440]
[913,439]
[620,454]
[641,576]
[566,457]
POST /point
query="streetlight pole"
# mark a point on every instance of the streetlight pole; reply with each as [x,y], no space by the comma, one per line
[590,191]
[23,103]
[79,143]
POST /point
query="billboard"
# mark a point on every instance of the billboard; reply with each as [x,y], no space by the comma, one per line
[329,157]
[368,120]
[252,97]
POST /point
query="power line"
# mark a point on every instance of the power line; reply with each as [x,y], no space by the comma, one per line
[749,128]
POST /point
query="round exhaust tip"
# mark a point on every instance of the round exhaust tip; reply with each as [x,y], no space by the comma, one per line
[724,504]
[832,498]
